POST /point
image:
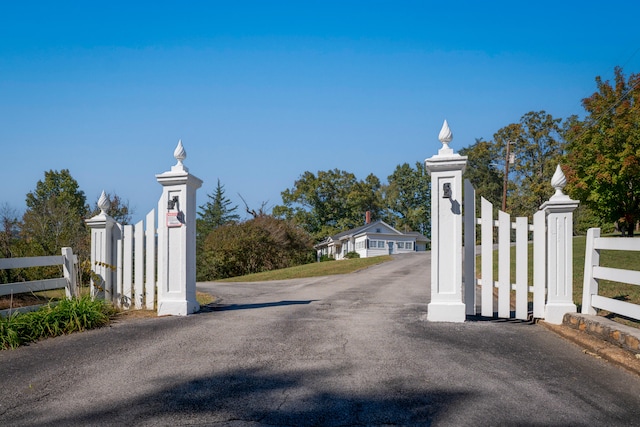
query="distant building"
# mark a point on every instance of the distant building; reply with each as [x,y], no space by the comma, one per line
[372,239]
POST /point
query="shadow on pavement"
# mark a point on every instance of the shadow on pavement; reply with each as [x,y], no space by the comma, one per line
[229,307]
[245,397]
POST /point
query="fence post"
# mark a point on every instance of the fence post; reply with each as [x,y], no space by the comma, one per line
[559,210]
[446,170]
[102,262]
[69,272]
[591,259]
[177,239]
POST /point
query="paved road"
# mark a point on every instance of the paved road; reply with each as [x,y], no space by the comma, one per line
[337,351]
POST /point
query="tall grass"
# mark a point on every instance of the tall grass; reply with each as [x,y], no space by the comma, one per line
[65,317]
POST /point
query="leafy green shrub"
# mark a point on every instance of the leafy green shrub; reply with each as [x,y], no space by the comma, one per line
[263,243]
[327,258]
[68,316]
[350,255]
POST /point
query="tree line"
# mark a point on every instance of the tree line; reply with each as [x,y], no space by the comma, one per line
[600,154]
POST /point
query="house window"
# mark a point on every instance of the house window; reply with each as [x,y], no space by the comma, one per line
[376,244]
[400,245]
[378,230]
[409,246]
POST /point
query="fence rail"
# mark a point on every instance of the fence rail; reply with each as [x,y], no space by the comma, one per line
[67,260]
[594,272]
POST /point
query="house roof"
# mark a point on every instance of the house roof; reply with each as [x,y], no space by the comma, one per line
[362,229]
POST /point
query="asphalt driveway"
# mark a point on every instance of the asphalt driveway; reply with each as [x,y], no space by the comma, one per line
[335,351]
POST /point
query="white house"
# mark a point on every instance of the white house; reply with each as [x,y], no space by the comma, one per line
[372,239]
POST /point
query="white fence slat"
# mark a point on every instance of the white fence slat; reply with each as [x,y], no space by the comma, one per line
[469,213]
[616,306]
[617,275]
[36,261]
[119,259]
[504,261]
[138,291]
[150,260]
[486,244]
[32,286]
[539,264]
[617,244]
[127,265]
[522,265]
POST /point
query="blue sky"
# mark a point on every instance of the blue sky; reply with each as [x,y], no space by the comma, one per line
[260,92]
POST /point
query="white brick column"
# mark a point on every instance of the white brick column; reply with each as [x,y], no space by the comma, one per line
[446,170]
[177,239]
[559,211]
[103,263]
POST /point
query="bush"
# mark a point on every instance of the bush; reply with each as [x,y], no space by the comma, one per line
[350,255]
[327,258]
[263,243]
[68,316]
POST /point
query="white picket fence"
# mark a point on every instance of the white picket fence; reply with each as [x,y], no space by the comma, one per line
[128,275]
[593,272]
[503,284]
[68,261]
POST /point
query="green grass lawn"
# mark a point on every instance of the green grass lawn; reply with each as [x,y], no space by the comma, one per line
[313,270]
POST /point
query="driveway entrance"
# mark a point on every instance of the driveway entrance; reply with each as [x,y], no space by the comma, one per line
[344,350]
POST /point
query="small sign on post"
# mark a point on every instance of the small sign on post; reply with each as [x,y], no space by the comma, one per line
[174,219]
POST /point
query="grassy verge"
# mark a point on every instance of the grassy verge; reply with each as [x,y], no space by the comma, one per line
[67,316]
[313,270]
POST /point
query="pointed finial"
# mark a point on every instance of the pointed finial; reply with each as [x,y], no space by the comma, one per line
[180,154]
[103,203]
[558,181]
[445,137]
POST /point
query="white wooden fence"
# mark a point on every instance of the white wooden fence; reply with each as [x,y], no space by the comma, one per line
[524,285]
[124,258]
[68,261]
[550,289]
[593,272]
[150,264]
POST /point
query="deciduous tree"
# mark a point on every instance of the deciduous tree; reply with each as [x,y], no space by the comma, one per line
[330,201]
[55,215]
[408,198]
[483,170]
[538,147]
[603,160]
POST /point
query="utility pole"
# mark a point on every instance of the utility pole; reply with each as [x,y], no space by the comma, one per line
[508,160]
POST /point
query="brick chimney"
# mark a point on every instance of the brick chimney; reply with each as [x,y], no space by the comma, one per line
[367,217]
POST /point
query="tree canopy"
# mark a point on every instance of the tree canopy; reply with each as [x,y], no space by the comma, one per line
[55,215]
[603,160]
[408,198]
[483,170]
[330,201]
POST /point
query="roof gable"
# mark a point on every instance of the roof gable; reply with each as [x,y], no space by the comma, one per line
[367,228]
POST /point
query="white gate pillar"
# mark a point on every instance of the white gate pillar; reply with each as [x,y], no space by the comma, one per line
[102,252]
[177,239]
[446,170]
[559,210]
